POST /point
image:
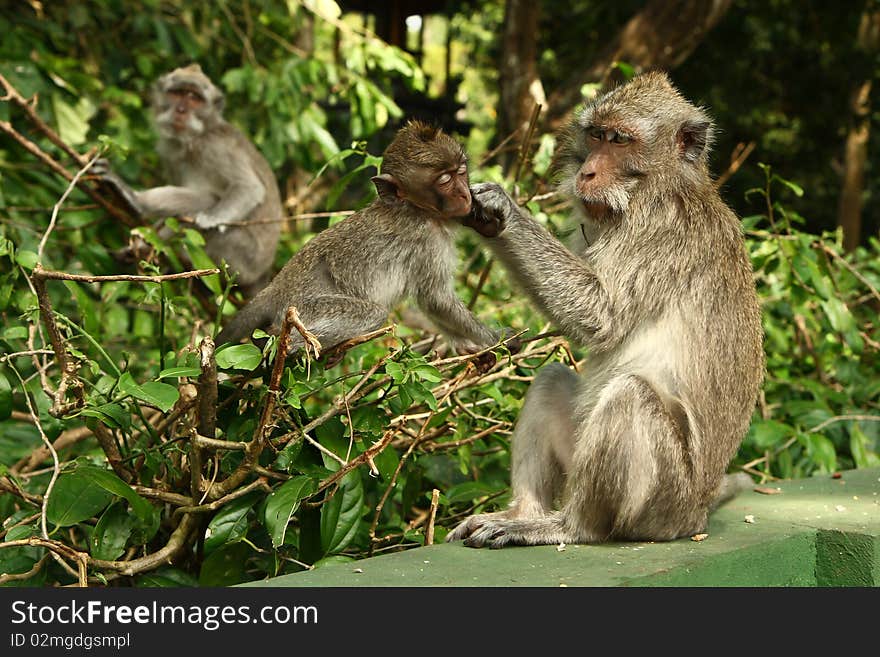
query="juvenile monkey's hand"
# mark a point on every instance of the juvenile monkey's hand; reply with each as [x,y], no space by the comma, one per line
[514,344]
[491,209]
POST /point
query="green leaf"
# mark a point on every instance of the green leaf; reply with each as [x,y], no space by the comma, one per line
[225,566]
[768,433]
[27,259]
[5,397]
[239,357]
[112,532]
[340,516]
[333,558]
[820,450]
[861,448]
[74,498]
[166,578]
[395,371]
[231,522]
[283,503]
[468,491]
[161,395]
[179,372]
[14,332]
[73,125]
[112,415]
[113,484]
[286,457]
[427,372]
[838,314]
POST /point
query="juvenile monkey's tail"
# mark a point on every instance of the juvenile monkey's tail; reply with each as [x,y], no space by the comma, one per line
[256,314]
[730,486]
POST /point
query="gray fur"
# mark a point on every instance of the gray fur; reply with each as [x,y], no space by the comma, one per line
[347,278]
[663,296]
[217,177]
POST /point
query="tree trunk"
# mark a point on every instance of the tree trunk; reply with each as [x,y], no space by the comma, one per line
[661,35]
[519,85]
[849,212]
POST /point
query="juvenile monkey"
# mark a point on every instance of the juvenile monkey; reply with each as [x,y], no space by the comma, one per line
[661,291]
[217,177]
[347,278]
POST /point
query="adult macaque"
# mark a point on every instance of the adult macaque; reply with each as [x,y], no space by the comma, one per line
[661,291]
[347,278]
[217,176]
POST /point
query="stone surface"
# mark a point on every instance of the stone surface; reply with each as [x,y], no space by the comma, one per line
[821,531]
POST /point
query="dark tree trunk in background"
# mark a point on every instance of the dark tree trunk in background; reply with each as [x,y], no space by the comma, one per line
[519,85]
[661,35]
[849,213]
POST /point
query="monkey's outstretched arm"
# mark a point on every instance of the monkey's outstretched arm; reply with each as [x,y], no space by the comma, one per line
[453,318]
[170,201]
[242,194]
[158,202]
[562,285]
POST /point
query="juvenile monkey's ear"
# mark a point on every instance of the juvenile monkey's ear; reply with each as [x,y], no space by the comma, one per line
[693,138]
[387,187]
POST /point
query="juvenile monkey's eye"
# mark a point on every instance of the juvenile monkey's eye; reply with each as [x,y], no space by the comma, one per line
[620,138]
[596,134]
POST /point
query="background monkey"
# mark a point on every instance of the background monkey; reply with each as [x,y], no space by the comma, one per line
[662,293]
[346,279]
[217,177]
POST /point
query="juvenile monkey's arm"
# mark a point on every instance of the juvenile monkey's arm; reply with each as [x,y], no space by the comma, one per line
[562,285]
[454,319]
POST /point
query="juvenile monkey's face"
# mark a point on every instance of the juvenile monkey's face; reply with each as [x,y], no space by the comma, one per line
[453,189]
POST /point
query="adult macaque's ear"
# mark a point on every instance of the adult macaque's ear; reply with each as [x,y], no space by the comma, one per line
[387,187]
[693,139]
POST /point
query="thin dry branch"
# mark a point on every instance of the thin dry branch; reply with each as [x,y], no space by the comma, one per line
[264,426]
[738,157]
[364,457]
[28,106]
[178,540]
[432,514]
[13,95]
[84,278]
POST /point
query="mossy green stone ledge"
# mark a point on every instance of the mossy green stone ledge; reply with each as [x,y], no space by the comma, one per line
[821,531]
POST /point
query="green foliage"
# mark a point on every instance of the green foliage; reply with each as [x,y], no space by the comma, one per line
[820,322]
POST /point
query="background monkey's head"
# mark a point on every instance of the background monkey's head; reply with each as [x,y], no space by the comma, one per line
[186,102]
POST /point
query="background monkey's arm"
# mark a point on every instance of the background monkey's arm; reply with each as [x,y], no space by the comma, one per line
[242,194]
[158,202]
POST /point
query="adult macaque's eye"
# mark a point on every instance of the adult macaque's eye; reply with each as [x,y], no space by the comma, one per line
[445,178]
[462,169]
[620,138]
[598,134]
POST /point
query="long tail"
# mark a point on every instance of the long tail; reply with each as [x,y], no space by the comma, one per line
[730,486]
